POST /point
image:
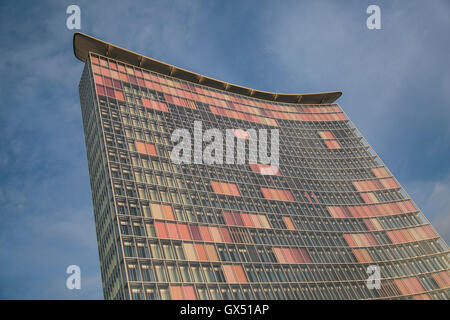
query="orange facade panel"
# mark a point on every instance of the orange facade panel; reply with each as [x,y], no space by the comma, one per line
[292,255]
[246,220]
[329,139]
[201,252]
[372,185]
[189,251]
[182,293]
[288,223]
[409,286]
[189,293]
[176,292]
[380,172]
[243,116]
[154,105]
[140,147]
[234,273]
[326,135]
[160,229]
[172,231]
[369,197]
[277,194]
[211,253]
[442,279]
[424,296]
[225,188]
[362,255]
[146,148]
[241,134]
[385,209]
[411,234]
[373,224]
[181,231]
[332,144]
[265,169]
[360,239]
[163,212]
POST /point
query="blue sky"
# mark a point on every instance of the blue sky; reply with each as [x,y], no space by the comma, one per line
[395,83]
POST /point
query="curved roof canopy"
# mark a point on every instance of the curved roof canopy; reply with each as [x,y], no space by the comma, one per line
[83,44]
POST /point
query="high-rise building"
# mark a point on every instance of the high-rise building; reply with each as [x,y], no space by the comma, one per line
[327,222]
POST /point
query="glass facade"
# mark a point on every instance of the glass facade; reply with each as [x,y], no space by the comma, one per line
[205,231]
